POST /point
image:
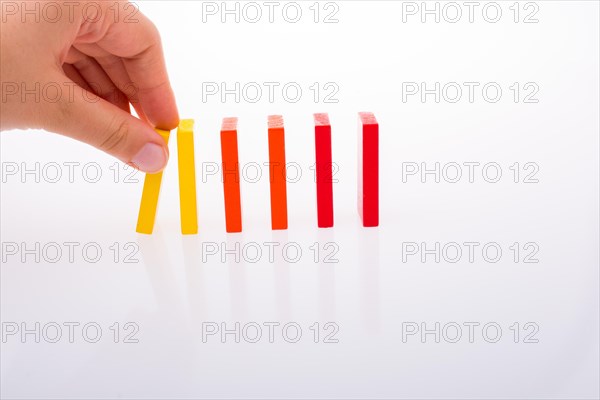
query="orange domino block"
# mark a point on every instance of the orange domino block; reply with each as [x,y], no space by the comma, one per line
[150,193]
[231,175]
[279,218]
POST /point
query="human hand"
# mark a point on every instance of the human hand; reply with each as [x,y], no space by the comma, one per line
[76,75]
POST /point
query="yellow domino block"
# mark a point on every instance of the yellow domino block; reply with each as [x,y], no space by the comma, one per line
[187,177]
[149,203]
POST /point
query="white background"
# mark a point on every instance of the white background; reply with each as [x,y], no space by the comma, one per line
[371,293]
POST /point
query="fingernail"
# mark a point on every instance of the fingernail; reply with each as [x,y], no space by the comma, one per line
[151,158]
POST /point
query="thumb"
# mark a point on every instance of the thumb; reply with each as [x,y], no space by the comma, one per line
[86,117]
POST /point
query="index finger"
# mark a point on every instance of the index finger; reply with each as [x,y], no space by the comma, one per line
[138,43]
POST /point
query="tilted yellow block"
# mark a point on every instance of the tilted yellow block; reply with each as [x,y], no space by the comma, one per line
[149,203]
[187,177]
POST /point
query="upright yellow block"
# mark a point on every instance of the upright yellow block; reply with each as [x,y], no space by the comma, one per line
[187,177]
[149,203]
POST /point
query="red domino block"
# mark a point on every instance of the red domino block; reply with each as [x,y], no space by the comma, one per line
[231,176]
[279,218]
[324,171]
[368,169]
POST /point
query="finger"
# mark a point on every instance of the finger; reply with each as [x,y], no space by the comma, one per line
[139,45]
[74,75]
[97,122]
[115,69]
[97,78]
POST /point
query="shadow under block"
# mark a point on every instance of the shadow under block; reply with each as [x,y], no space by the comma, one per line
[150,193]
[187,177]
[324,173]
[277,178]
[231,176]
[368,169]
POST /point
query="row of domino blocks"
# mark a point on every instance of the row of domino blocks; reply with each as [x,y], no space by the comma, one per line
[368,175]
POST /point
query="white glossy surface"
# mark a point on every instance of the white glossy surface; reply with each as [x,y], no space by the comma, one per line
[172,294]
